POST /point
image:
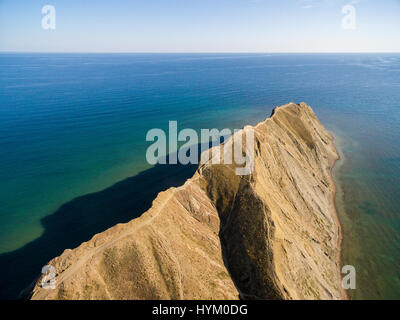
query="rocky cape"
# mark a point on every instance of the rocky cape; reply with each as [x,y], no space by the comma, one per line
[273,234]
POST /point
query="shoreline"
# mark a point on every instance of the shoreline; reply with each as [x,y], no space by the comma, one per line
[340,226]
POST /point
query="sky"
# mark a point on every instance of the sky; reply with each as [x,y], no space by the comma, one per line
[201,26]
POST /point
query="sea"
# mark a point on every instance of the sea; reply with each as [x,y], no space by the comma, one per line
[73,144]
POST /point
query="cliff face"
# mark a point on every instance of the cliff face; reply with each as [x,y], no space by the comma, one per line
[271,235]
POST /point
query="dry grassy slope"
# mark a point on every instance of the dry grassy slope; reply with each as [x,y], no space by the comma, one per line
[276,230]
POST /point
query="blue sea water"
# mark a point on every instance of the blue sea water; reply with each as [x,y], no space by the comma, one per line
[74,125]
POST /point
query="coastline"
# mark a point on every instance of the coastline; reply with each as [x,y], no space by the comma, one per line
[340,226]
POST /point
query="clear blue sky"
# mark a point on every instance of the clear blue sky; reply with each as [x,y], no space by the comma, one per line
[200,26]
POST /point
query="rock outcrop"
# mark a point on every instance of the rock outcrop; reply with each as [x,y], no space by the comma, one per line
[273,234]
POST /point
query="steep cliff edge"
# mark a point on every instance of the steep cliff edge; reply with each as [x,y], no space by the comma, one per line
[273,234]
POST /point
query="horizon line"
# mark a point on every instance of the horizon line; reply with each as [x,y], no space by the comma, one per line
[199,52]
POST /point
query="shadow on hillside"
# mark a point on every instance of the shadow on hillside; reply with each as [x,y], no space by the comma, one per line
[78,220]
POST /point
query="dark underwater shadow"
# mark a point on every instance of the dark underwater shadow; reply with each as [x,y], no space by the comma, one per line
[80,219]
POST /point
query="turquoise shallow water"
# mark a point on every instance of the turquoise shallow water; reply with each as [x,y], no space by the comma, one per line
[72,125]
